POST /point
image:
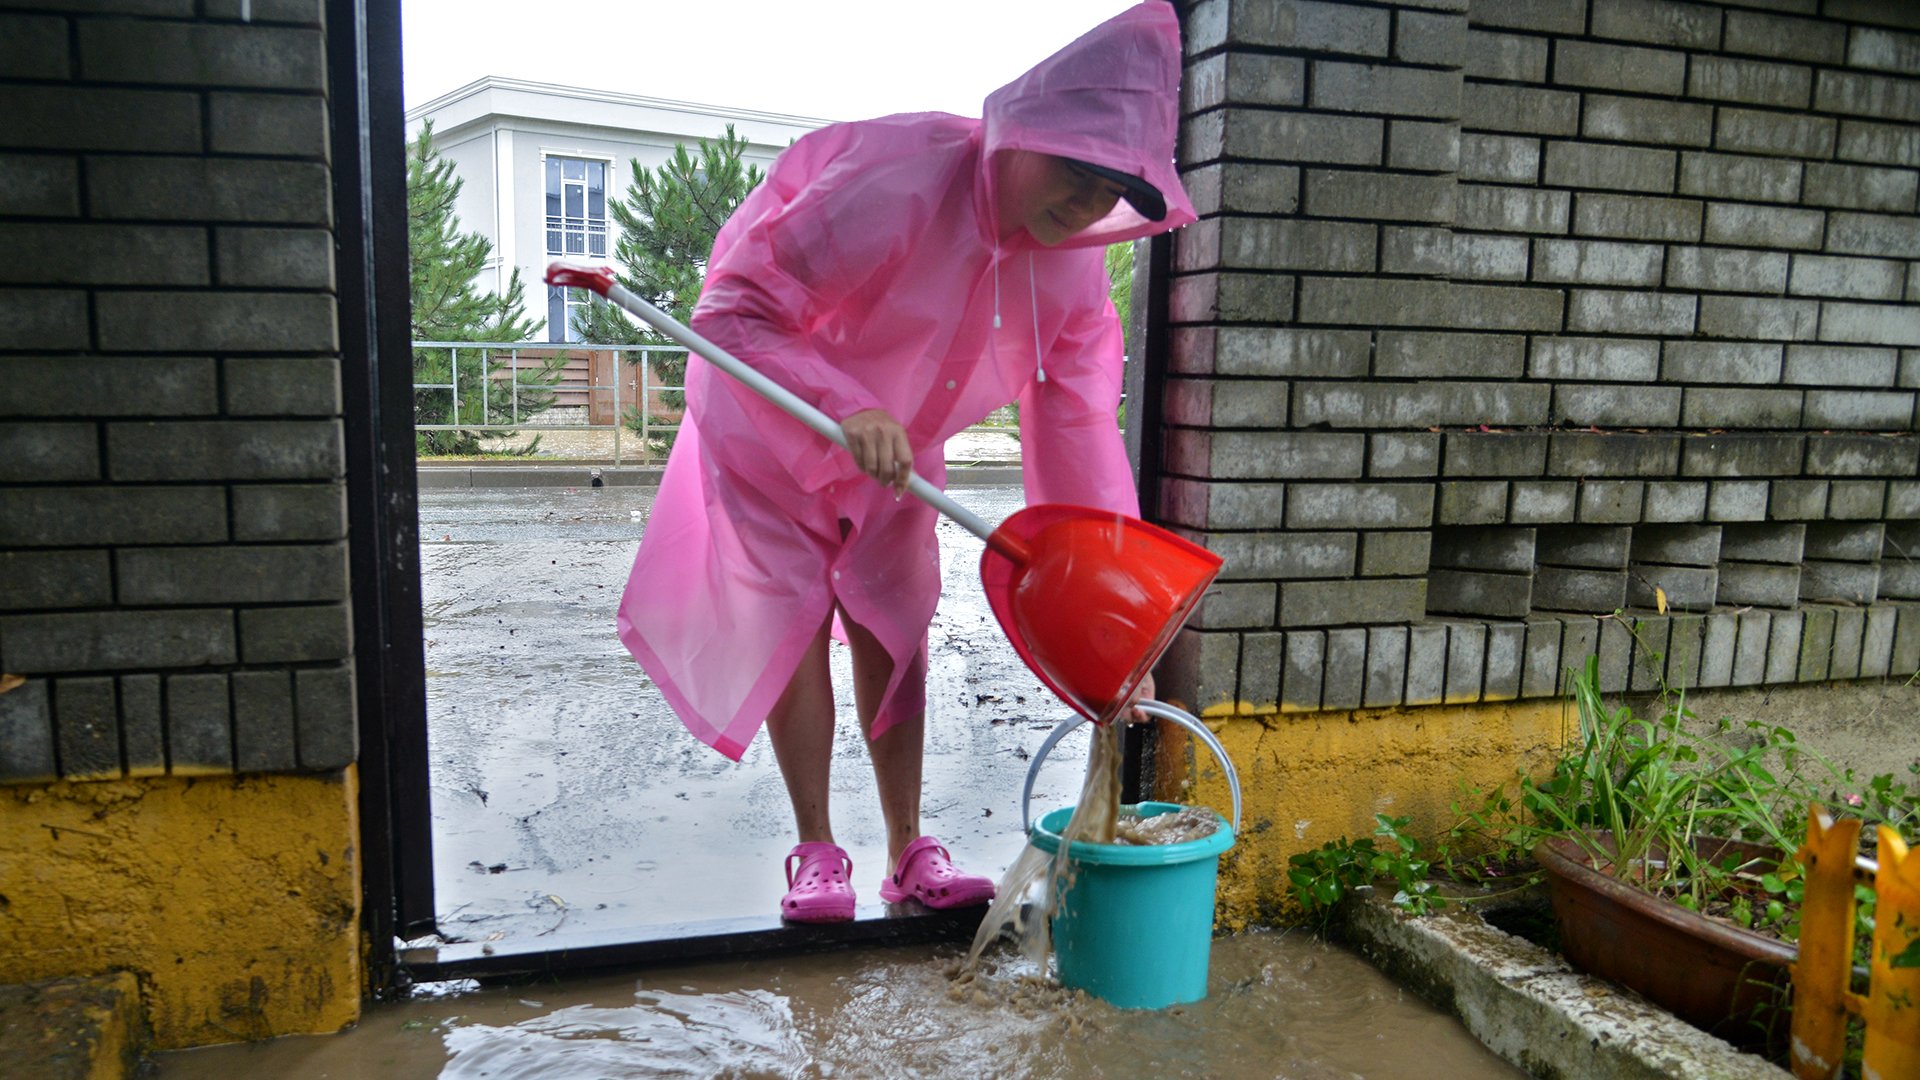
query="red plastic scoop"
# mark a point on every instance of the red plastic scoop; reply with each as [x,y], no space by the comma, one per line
[1097,599]
[1089,598]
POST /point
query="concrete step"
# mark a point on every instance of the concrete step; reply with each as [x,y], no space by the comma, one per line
[1528,1006]
[90,1028]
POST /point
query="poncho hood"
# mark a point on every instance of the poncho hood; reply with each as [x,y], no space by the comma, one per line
[1111,98]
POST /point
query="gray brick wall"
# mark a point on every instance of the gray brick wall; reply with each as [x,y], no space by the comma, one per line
[1569,308]
[173,583]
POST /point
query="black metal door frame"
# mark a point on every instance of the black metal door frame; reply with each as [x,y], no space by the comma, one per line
[370,248]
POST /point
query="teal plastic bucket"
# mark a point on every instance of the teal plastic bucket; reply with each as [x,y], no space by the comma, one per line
[1134,925]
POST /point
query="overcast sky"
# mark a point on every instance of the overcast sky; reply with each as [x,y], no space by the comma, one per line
[829,59]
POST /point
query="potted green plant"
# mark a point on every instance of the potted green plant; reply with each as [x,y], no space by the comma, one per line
[1667,850]
[1668,855]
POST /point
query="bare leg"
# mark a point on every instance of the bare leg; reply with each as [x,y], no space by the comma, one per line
[801,729]
[897,754]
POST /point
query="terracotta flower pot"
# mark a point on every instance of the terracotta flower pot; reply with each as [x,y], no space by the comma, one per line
[1719,978]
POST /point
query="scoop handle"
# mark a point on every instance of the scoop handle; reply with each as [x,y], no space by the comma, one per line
[600,279]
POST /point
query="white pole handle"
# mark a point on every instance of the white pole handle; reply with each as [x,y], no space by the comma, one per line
[601,280]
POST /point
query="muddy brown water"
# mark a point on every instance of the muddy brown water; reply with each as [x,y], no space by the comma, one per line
[1280,1005]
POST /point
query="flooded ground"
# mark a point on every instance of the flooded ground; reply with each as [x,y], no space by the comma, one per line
[567,797]
[1284,1006]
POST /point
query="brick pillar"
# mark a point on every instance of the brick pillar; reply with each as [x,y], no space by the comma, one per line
[1474,274]
[173,579]
[1320,144]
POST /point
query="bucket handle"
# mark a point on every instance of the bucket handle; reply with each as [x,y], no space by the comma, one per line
[1152,708]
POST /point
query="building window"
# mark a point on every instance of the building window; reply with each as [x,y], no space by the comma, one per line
[576,207]
[564,306]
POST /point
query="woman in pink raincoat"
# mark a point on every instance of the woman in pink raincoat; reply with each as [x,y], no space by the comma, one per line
[907,275]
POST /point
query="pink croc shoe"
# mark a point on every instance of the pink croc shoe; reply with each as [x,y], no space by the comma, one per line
[821,889]
[926,873]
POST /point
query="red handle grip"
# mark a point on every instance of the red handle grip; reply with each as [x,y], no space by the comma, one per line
[597,278]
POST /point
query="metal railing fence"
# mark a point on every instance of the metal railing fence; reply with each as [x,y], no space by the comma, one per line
[519,370]
[539,359]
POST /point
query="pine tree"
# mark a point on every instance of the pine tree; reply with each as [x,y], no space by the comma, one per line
[447,306]
[667,223]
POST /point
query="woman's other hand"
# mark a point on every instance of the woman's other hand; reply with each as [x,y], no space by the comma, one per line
[879,446]
[1144,693]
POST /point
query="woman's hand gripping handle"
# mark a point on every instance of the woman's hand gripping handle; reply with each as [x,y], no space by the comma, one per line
[879,446]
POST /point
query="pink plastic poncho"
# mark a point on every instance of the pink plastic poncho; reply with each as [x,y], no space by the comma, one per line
[865,272]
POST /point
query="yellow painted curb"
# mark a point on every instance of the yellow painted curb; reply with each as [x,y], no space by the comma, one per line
[234,900]
[72,1029]
[1307,778]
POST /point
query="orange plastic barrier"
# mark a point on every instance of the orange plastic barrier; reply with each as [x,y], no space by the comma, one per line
[1822,994]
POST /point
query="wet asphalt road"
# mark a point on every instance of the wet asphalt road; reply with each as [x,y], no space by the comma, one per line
[566,796]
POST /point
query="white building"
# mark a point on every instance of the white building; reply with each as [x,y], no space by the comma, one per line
[540,163]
